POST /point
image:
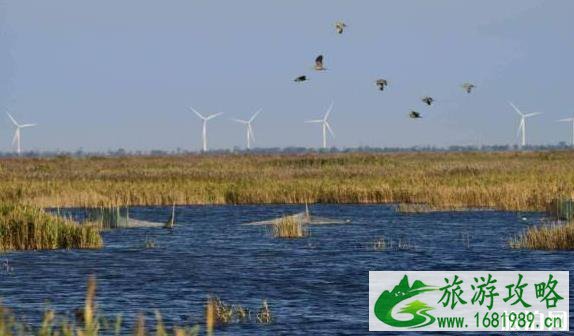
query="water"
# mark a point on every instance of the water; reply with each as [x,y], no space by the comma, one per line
[317,285]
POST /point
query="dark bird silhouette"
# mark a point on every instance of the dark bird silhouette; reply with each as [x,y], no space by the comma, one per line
[301,79]
[79,315]
[427,100]
[415,115]
[468,87]
[382,83]
[340,26]
[319,63]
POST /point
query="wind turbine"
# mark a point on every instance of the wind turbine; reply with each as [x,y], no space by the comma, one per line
[522,125]
[250,134]
[572,121]
[16,139]
[325,125]
[204,128]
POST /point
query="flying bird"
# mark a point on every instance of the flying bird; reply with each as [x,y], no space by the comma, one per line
[319,63]
[301,79]
[427,100]
[340,26]
[381,83]
[415,115]
[468,87]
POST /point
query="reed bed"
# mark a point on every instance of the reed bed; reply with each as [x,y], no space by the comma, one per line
[221,313]
[29,228]
[519,181]
[289,227]
[546,237]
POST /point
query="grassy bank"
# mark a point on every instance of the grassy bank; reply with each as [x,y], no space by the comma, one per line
[30,228]
[508,181]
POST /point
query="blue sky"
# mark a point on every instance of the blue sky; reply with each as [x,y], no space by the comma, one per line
[106,74]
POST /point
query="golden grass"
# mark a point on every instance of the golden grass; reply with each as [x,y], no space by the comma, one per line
[289,227]
[29,228]
[547,237]
[220,313]
[505,180]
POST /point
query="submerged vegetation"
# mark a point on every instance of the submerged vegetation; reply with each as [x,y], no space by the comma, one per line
[30,228]
[546,237]
[505,180]
[89,322]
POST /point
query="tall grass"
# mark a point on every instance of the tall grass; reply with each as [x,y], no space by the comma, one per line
[29,228]
[547,237]
[506,181]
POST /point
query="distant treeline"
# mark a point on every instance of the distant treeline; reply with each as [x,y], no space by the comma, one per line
[295,150]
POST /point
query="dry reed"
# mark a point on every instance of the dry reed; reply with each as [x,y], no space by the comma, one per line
[546,237]
[506,181]
[289,227]
[30,228]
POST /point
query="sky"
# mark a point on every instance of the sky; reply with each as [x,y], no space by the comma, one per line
[108,74]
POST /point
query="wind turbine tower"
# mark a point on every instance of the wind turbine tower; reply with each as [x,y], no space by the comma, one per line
[571,120]
[204,127]
[522,125]
[16,139]
[250,134]
[325,124]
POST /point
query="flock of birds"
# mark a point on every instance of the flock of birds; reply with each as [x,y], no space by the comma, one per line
[380,83]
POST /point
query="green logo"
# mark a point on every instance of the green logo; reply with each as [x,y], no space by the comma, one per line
[419,311]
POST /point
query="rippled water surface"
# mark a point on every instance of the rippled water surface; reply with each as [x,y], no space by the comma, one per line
[316,285]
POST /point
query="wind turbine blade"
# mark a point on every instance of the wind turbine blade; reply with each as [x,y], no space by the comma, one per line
[15,137]
[13,120]
[198,114]
[255,115]
[240,121]
[532,114]
[515,108]
[213,116]
[329,111]
[28,125]
[314,121]
[330,129]
[520,127]
[566,119]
